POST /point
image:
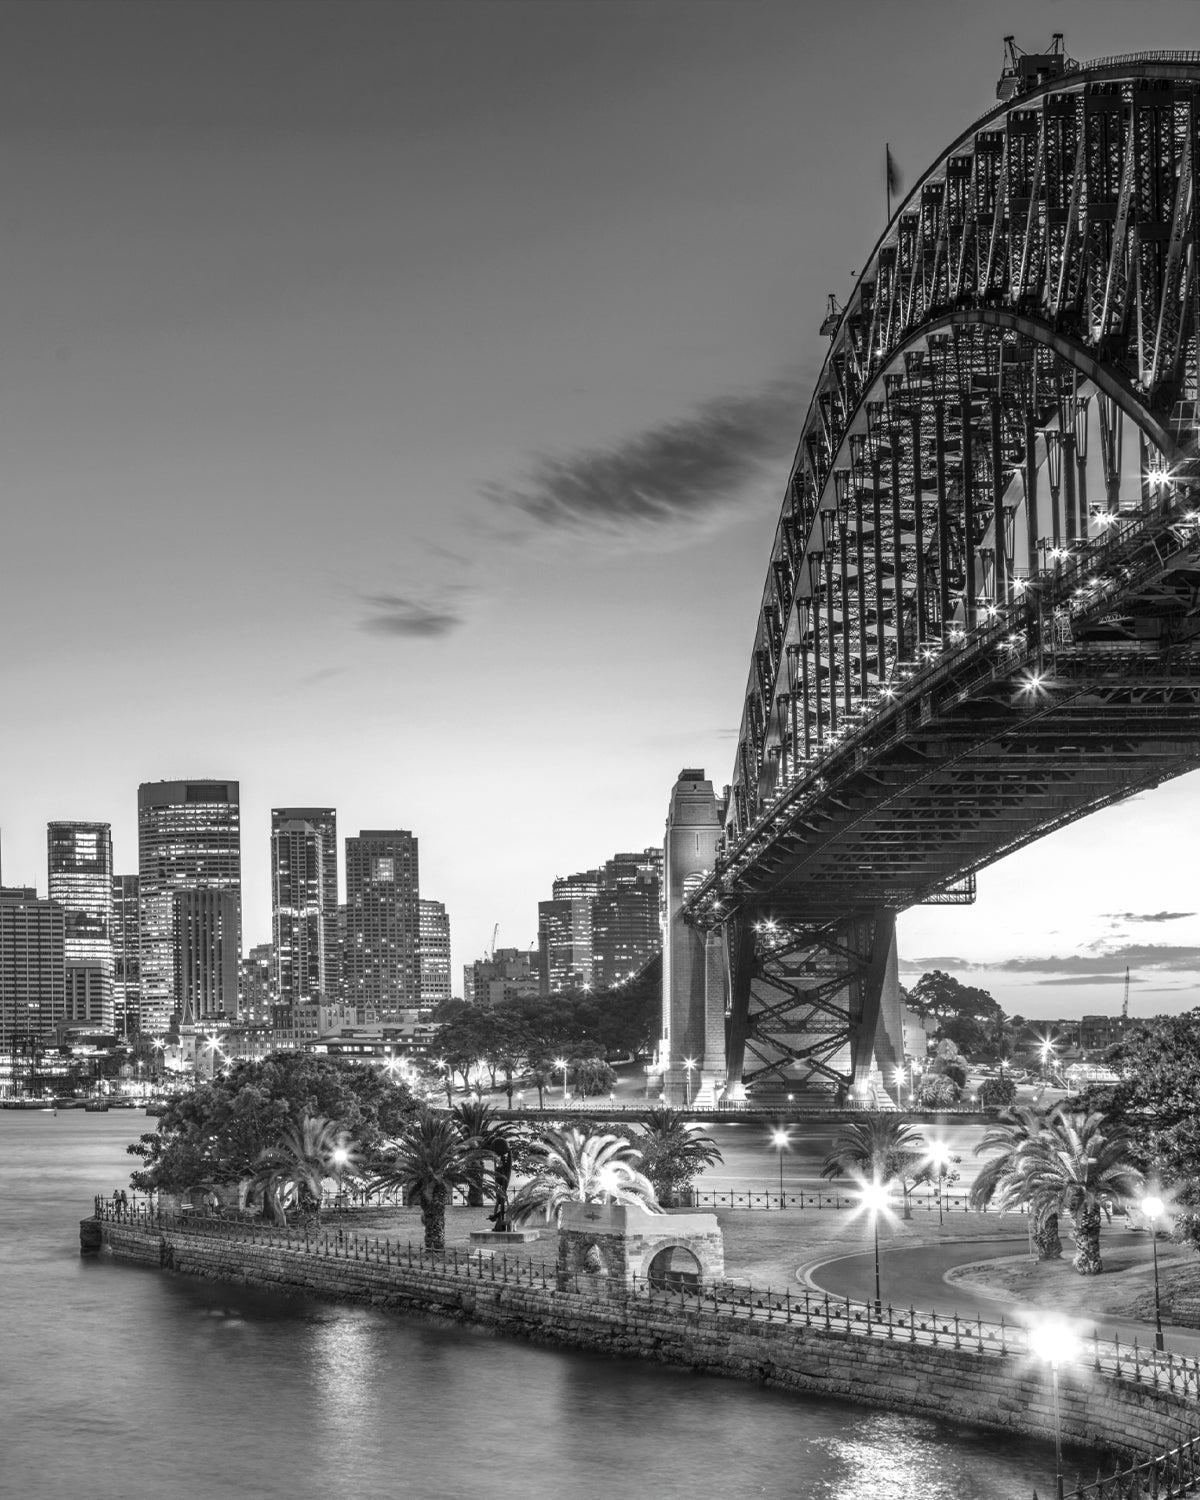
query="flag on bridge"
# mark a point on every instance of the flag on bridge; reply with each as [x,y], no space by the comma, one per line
[894,183]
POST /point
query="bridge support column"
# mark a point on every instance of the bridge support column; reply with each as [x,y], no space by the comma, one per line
[694,965]
[877,1032]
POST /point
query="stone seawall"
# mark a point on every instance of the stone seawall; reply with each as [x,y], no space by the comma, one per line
[989,1390]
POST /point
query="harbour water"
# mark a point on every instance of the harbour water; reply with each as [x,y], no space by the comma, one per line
[119,1383]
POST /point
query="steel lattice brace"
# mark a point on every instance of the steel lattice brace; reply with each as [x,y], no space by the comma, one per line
[959,648]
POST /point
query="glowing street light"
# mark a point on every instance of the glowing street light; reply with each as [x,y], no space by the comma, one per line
[689,1063]
[782,1140]
[1153,1208]
[561,1062]
[1054,1343]
[939,1157]
[874,1197]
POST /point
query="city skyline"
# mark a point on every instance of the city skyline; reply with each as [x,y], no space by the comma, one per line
[544,457]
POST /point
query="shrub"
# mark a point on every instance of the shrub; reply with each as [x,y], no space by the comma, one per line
[997,1092]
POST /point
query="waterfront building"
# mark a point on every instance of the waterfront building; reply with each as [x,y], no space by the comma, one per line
[79,870]
[189,838]
[126,949]
[304,904]
[434,935]
[601,925]
[33,995]
[380,963]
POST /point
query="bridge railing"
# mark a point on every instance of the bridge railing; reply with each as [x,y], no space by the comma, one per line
[1175,1473]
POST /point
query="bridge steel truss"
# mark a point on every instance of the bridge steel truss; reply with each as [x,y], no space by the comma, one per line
[980,619]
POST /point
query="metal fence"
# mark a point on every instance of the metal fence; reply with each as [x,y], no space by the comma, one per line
[1176,1473]
[771,1198]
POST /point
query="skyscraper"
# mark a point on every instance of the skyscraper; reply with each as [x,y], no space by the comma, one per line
[32,968]
[380,963]
[207,948]
[126,946]
[79,862]
[626,921]
[304,903]
[435,953]
[189,838]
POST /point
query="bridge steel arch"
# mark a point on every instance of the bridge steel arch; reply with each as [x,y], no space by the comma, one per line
[980,620]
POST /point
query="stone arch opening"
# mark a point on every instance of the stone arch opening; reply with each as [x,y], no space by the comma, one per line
[674,1269]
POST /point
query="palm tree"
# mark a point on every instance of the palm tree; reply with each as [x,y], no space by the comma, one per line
[878,1149]
[429,1161]
[579,1166]
[1013,1131]
[300,1161]
[674,1153]
[1080,1166]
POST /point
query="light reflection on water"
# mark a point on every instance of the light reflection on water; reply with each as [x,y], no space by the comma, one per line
[124,1383]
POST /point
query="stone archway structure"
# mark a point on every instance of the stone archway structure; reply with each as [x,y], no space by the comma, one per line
[606,1246]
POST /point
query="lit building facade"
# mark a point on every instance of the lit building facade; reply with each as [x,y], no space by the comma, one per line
[33,992]
[256,982]
[127,957]
[601,925]
[509,974]
[381,958]
[304,904]
[207,943]
[189,838]
[434,942]
[79,871]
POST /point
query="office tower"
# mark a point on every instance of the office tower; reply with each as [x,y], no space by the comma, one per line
[256,985]
[434,935]
[380,966]
[207,943]
[33,996]
[565,933]
[304,903]
[126,946]
[188,839]
[79,862]
[506,974]
[626,921]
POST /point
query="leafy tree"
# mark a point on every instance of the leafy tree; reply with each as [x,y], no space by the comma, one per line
[878,1149]
[997,1092]
[1011,1134]
[500,1141]
[674,1153]
[594,1076]
[968,1016]
[937,1091]
[581,1166]
[428,1162]
[217,1132]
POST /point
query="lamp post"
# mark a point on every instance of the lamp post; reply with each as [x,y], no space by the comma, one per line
[874,1197]
[1054,1343]
[780,1138]
[939,1156]
[689,1063]
[561,1062]
[1153,1207]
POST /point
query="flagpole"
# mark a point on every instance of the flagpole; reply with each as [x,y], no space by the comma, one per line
[887,176]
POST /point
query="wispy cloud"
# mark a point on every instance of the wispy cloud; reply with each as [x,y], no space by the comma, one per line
[1116,977]
[1148,916]
[1160,958]
[691,469]
[404,617]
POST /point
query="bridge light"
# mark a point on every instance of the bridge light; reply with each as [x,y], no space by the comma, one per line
[1033,683]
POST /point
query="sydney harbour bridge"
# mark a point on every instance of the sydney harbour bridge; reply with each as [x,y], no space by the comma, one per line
[981,619]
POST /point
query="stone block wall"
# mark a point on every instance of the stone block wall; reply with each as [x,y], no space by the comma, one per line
[1001,1393]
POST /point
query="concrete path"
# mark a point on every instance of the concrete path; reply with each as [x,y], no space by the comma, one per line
[916,1276]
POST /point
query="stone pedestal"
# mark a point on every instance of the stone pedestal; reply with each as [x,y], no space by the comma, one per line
[604,1247]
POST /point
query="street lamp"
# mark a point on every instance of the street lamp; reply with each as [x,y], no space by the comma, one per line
[781,1139]
[874,1196]
[1153,1209]
[561,1062]
[939,1156]
[689,1063]
[1054,1343]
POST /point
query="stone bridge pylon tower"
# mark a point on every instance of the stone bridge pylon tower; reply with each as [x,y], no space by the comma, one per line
[695,967]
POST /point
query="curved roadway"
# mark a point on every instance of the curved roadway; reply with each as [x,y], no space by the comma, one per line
[916,1276]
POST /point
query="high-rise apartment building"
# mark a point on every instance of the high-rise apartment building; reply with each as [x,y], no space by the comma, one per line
[79,867]
[506,974]
[256,985]
[434,943]
[304,904]
[381,961]
[601,925]
[189,839]
[126,946]
[33,997]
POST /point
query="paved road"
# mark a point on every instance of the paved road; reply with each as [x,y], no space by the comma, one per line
[916,1276]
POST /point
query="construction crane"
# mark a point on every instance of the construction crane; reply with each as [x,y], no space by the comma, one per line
[495,935]
[1125,1002]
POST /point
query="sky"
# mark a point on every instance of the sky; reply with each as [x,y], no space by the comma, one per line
[396,402]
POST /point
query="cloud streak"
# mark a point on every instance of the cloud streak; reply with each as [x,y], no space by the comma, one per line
[1079,968]
[694,468]
[399,616]
[1148,916]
